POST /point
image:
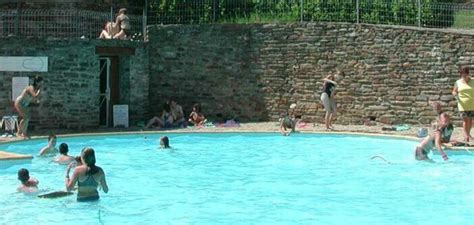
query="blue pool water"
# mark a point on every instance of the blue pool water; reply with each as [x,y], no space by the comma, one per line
[248,179]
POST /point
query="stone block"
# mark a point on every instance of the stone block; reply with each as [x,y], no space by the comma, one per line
[446,98]
[169,55]
[377,108]
[387,119]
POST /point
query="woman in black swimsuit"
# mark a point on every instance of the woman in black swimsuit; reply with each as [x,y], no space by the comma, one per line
[328,98]
[88,177]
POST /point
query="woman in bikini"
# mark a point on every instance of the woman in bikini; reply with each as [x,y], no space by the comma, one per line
[441,135]
[165,121]
[22,105]
[88,177]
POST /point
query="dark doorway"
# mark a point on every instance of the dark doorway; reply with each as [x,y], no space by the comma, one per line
[109,88]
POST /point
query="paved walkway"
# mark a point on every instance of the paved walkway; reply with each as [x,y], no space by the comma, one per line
[254,127]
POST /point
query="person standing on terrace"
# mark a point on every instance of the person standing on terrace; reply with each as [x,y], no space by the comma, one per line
[463,91]
[22,105]
[123,21]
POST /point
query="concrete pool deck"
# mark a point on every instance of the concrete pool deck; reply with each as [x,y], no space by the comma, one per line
[257,127]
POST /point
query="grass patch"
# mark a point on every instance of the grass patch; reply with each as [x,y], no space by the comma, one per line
[464,19]
[262,18]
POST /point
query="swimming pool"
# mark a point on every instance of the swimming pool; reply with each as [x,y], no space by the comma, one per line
[255,178]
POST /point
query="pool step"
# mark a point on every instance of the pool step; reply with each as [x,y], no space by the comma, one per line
[13,156]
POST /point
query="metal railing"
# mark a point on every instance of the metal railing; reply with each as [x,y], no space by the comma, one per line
[76,19]
[421,13]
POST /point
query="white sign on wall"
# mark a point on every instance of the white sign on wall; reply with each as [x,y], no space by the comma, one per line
[18,84]
[120,115]
[24,63]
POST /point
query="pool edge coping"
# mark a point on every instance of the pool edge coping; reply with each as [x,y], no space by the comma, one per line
[369,134]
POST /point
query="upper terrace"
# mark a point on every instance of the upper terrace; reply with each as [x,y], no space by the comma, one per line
[86,18]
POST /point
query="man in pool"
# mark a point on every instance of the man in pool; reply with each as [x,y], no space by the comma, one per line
[49,149]
[442,134]
[28,184]
[64,158]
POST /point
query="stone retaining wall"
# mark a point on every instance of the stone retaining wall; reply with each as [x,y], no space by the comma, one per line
[254,72]
[70,95]
[251,72]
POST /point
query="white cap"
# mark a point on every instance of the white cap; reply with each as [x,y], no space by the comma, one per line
[292,106]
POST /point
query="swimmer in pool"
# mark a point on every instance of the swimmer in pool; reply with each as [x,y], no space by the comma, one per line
[49,149]
[165,142]
[64,158]
[28,184]
[88,177]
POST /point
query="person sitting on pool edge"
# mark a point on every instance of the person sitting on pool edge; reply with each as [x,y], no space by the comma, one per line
[164,121]
[441,135]
[51,147]
[88,176]
[28,184]
[177,112]
[437,108]
[196,117]
[287,124]
[64,158]
[165,142]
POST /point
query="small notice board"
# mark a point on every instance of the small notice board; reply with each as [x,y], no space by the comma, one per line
[18,84]
[120,115]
